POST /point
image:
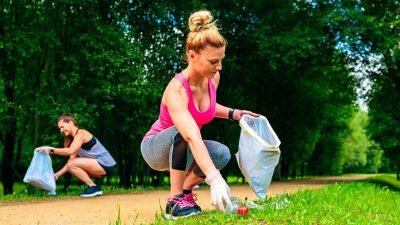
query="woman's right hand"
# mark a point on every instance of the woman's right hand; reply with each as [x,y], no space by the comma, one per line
[56,176]
[220,190]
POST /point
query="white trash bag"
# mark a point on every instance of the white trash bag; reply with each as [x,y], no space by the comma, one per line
[258,153]
[40,173]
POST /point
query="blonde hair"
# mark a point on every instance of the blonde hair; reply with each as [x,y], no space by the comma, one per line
[203,32]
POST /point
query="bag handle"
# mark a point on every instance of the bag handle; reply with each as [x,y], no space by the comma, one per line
[246,128]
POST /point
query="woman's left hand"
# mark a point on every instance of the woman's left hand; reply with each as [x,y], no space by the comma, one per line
[237,114]
[44,149]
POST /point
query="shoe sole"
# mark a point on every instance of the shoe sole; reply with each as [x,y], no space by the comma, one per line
[169,216]
[97,193]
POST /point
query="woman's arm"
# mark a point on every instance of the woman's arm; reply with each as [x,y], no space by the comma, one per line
[222,111]
[61,172]
[64,169]
[73,149]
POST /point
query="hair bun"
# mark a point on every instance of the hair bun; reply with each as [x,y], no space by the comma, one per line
[201,20]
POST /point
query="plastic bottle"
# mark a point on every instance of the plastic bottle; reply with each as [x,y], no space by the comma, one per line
[235,205]
[281,202]
[252,205]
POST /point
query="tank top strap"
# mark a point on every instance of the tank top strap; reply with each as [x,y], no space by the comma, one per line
[185,84]
[182,79]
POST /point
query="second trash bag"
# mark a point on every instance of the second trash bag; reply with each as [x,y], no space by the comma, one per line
[40,173]
[258,153]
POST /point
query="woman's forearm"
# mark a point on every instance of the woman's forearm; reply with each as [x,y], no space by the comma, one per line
[201,155]
[62,171]
[222,111]
[62,151]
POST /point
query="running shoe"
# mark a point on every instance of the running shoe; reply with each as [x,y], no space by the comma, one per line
[178,206]
[91,191]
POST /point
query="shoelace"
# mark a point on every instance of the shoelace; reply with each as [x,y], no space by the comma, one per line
[182,202]
[191,198]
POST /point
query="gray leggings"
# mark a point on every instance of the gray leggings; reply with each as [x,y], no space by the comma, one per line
[163,151]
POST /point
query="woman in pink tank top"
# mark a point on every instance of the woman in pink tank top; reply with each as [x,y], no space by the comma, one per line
[174,141]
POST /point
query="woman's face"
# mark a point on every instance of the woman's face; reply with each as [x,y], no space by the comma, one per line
[208,62]
[65,127]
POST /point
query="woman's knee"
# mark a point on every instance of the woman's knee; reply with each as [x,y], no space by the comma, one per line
[71,164]
[220,156]
[156,151]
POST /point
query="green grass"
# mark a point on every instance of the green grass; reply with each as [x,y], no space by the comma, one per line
[346,203]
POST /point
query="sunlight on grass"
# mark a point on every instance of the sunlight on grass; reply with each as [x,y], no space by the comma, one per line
[346,203]
[118,221]
[387,180]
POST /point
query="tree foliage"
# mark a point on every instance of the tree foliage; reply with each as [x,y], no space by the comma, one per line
[379,32]
[108,62]
[302,67]
[360,153]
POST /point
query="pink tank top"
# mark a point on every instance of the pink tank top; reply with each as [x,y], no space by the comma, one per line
[164,120]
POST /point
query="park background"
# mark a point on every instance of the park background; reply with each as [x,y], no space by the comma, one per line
[324,73]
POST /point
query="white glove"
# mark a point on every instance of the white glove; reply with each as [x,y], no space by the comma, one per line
[44,149]
[220,190]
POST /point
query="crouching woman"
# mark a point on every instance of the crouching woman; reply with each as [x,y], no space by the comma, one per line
[87,156]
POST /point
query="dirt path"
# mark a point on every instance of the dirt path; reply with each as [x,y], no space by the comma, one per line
[135,208]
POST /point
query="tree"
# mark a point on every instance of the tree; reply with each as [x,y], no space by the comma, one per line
[380,33]
[65,57]
[304,81]
[360,154]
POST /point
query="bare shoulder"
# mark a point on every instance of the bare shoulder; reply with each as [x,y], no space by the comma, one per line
[174,92]
[85,135]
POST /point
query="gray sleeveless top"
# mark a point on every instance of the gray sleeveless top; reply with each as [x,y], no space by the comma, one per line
[98,152]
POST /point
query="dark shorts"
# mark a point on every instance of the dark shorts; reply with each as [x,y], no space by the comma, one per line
[109,169]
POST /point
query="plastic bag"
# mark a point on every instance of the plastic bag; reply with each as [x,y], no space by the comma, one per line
[40,173]
[258,153]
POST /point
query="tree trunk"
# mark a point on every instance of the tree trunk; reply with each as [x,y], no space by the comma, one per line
[6,164]
[277,172]
[9,88]
[8,153]
[284,168]
[3,61]
[67,181]
[18,158]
